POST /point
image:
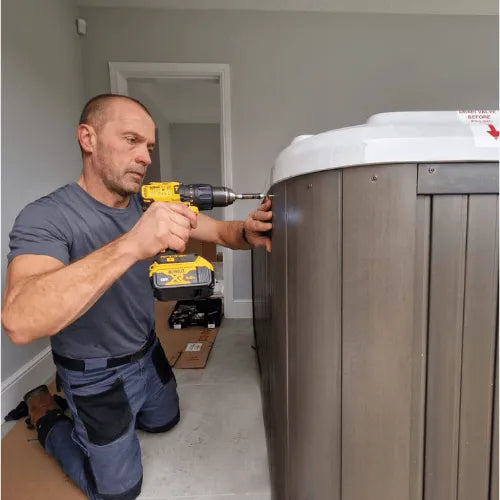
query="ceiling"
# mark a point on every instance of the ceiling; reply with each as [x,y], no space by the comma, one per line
[459,7]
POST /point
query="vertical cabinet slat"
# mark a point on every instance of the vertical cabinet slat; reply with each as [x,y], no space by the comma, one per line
[449,228]
[379,216]
[494,445]
[478,356]
[419,348]
[261,306]
[278,345]
[314,326]
[259,280]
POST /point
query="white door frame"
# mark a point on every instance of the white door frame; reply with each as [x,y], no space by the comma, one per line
[120,72]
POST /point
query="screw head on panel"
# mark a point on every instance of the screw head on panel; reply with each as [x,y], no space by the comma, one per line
[431,170]
[374,178]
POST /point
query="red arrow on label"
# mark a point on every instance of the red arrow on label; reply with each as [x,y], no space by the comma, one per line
[493,132]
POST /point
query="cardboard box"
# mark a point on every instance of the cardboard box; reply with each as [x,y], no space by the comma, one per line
[28,472]
[207,250]
[187,347]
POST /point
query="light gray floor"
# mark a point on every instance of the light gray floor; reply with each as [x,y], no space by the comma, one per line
[218,450]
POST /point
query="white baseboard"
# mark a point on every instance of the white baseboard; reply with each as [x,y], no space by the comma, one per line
[37,371]
[240,308]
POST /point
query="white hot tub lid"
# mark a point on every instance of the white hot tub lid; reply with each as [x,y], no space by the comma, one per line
[402,137]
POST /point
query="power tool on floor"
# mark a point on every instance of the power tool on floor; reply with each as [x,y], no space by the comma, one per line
[174,276]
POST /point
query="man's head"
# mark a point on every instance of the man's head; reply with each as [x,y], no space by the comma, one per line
[116,135]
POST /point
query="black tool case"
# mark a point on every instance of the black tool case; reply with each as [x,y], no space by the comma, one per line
[206,313]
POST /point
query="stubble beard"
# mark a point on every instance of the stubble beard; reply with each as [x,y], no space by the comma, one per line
[116,184]
[119,189]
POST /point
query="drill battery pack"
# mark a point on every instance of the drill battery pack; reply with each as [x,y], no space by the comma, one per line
[176,276]
[204,313]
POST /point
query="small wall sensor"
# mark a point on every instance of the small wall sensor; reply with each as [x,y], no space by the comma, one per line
[81,26]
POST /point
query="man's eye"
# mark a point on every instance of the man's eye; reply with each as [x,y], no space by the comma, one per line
[131,140]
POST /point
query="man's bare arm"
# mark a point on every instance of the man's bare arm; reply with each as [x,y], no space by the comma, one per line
[230,233]
[43,295]
[225,233]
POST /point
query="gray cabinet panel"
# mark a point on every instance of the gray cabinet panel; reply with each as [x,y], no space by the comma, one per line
[259,282]
[278,345]
[445,345]
[376,326]
[494,448]
[478,354]
[261,311]
[314,342]
[380,206]
[260,307]
[457,178]
[419,348]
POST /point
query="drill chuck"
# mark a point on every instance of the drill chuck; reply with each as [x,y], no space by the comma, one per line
[206,196]
[223,196]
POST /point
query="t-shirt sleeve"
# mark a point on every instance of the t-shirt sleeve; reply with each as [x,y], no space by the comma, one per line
[40,229]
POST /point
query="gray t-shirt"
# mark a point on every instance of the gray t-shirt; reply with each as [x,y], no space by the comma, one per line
[68,224]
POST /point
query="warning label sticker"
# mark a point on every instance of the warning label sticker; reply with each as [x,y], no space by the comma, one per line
[193,347]
[484,124]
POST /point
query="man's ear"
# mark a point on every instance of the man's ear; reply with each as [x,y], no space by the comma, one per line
[86,137]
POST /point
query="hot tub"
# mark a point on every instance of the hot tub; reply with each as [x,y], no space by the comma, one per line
[376,312]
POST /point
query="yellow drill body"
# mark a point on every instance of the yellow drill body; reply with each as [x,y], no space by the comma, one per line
[166,192]
[175,276]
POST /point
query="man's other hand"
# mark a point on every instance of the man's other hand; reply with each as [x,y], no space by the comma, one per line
[257,223]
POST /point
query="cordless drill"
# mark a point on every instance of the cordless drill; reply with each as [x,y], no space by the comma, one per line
[174,276]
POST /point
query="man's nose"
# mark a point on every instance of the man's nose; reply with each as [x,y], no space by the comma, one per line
[144,157]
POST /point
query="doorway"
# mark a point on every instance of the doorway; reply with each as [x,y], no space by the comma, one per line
[190,104]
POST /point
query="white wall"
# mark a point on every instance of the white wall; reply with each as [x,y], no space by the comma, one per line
[165,150]
[182,100]
[295,73]
[42,97]
[196,155]
[141,92]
